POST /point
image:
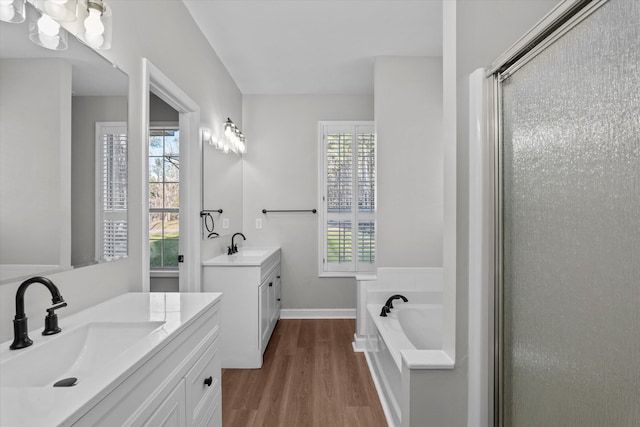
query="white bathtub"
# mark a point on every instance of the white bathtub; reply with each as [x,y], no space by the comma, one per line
[412,332]
[409,327]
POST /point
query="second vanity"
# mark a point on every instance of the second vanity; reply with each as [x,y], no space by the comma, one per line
[250,282]
[140,359]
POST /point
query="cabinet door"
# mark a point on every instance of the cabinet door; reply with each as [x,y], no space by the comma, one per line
[172,411]
[264,315]
[203,384]
[278,297]
[274,300]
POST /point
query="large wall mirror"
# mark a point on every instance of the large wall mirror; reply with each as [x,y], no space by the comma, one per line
[221,189]
[63,157]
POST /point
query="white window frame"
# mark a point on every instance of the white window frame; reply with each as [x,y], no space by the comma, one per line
[161,125]
[354,267]
[102,215]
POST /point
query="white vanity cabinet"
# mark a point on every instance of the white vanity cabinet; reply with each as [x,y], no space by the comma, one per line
[139,359]
[180,386]
[251,284]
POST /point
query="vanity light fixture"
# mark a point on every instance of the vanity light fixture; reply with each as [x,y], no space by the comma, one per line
[12,11]
[234,139]
[209,138]
[51,20]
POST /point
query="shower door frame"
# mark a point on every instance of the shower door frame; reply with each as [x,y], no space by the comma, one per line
[564,17]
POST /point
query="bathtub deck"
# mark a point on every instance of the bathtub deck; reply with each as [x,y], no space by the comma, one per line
[310,377]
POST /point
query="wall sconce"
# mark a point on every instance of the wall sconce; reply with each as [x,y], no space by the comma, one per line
[89,20]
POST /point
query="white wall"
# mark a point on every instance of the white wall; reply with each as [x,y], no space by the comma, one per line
[35,143]
[408,114]
[281,172]
[165,33]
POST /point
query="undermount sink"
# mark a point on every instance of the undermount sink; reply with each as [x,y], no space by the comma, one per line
[246,256]
[252,252]
[79,353]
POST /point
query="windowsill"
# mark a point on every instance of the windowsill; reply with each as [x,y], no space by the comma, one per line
[164,273]
[351,274]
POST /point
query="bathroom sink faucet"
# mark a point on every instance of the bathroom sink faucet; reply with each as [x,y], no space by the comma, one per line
[234,247]
[389,302]
[20,330]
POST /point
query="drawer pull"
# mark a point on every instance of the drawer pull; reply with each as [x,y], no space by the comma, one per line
[278,299]
[270,284]
[278,277]
[208,381]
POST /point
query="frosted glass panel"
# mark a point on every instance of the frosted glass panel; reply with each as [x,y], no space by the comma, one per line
[571,187]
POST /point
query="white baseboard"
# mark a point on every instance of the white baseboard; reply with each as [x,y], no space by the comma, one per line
[318,313]
[359,344]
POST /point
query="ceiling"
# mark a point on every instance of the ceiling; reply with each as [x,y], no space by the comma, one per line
[315,46]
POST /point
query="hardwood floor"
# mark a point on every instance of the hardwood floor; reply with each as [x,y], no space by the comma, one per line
[310,377]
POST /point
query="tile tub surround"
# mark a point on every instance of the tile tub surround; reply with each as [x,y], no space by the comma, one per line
[175,312]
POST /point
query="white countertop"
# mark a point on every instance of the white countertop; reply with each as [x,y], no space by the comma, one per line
[246,256]
[48,406]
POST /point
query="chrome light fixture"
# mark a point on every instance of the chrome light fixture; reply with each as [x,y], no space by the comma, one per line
[234,139]
[51,21]
[12,11]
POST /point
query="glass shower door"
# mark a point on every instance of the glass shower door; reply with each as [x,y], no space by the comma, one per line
[571,228]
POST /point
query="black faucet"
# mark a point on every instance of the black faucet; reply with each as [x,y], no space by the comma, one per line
[234,247]
[389,304]
[20,330]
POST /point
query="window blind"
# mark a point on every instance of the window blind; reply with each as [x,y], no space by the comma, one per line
[348,215]
[112,167]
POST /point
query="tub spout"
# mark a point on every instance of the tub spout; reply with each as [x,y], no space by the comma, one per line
[390,300]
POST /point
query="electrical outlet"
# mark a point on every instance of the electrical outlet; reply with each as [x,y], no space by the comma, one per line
[225,223]
[258,223]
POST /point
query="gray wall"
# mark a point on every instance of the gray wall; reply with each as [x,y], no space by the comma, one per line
[163,32]
[408,114]
[281,172]
[35,145]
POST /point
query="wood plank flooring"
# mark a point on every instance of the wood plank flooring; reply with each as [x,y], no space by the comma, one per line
[310,377]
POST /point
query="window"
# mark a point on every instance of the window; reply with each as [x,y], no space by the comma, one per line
[111,190]
[164,197]
[347,198]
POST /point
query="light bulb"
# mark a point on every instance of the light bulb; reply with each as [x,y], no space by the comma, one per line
[47,26]
[7,12]
[93,24]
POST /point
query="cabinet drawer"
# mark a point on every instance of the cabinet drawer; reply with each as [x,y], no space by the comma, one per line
[268,266]
[203,384]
